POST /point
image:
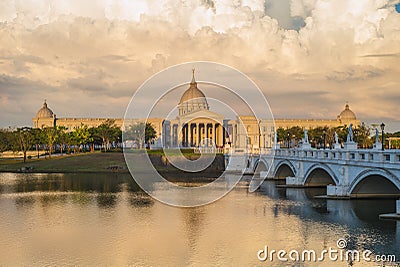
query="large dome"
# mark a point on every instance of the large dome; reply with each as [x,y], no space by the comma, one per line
[192,94]
[347,114]
[193,99]
[44,112]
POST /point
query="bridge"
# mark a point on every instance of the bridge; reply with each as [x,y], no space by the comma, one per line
[346,173]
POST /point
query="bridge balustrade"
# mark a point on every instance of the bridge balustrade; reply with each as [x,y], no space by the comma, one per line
[361,155]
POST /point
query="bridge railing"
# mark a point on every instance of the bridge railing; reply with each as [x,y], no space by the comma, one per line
[359,155]
[209,150]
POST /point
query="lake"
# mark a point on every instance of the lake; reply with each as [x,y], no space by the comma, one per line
[105,219]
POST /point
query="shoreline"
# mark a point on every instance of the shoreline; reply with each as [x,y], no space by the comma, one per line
[101,163]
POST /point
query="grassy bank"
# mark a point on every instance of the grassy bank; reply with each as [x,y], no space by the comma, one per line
[86,162]
[103,163]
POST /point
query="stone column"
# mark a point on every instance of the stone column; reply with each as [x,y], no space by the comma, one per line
[234,136]
[208,133]
[186,135]
[189,135]
[212,133]
[223,135]
[224,131]
[183,135]
[215,134]
[200,133]
[197,134]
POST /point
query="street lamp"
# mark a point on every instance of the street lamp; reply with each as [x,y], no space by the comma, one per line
[288,140]
[324,139]
[383,135]
[294,140]
[259,136]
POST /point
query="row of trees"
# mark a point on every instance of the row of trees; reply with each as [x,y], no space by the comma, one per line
[58,138]
[321,136]
[140,133]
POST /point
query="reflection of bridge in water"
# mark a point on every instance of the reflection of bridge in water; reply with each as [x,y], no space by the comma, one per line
[345,173]
[357,214]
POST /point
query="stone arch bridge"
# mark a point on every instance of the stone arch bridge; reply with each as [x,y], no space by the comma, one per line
[358,173]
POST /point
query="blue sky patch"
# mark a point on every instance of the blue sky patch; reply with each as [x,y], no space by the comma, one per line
[397,6]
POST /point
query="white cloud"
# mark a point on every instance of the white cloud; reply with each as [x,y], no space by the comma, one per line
[77,46]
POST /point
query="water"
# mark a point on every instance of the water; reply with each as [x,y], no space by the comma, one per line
[99,219]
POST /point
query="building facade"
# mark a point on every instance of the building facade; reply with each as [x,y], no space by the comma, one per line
[197,126]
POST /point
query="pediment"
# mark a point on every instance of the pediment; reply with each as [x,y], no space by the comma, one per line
[202,114]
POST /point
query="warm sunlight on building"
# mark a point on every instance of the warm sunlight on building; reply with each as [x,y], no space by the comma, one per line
[196,125]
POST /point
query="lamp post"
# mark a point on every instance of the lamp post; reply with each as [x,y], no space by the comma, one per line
[288,140]
[294,140]
[383,136]
[259,136]
[324,139]
[321,139]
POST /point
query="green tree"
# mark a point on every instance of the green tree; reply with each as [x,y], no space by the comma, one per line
[82,136]
[280,133]
[38,137]
[108,133]
[362,135]
[69,141]
[5,140]
[142,133]
[23,140]
[317,135]
[62,138]
[51,135]
[96,139]
[150,133]
[342,132]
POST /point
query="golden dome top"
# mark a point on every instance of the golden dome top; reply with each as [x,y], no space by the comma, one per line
[44,112]
[193,99]
[347,114]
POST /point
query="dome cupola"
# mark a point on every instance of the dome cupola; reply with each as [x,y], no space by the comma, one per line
[347,114]
[44,112]
[193,99]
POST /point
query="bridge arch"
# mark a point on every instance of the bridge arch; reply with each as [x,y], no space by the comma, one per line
[284,169]
[320,175]
[375,183]
[260,165]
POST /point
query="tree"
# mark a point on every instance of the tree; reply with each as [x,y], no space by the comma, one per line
[342,132]
[5,140]
[82,136]
[62,138]
[140,132]
[362,136]
[24,140]
[108,133]
[51,135]
[280,133]
[69,141]
[150,133]
[96,139]
[136,133]
[38,138]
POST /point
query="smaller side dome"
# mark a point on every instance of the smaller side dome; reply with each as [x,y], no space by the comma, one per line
[347,114]
[44,112]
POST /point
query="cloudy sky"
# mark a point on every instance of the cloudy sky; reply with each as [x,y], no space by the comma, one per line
[308,56]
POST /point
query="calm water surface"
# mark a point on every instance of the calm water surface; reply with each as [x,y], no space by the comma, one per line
[92,219]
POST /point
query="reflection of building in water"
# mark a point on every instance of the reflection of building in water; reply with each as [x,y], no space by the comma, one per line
[196,125]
